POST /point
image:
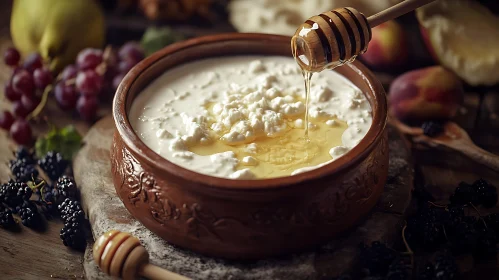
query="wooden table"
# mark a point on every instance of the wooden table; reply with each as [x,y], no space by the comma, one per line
[29,254]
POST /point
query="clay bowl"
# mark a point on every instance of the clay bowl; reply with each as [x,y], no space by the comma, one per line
[245,219]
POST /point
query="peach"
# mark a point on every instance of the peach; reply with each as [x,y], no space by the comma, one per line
[432,93]
[388,47]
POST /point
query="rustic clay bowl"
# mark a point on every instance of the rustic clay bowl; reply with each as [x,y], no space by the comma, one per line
[245,219]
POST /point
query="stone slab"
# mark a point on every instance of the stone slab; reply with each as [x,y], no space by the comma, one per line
[92,172]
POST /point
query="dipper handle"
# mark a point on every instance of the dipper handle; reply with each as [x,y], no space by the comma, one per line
[401,8]
[120,254]
[336,37]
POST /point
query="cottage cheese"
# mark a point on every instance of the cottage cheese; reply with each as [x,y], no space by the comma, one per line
[229,104]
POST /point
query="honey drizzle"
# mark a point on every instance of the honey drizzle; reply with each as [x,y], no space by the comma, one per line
[307,76]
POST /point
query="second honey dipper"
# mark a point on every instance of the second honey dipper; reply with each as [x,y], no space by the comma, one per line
[336,37]
[120,254]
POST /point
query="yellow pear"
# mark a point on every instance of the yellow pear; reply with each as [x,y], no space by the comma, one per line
[57,29]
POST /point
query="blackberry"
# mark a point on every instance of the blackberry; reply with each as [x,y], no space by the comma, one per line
[487,193]
[53,164]
[72,234]
[6,218]
[377,258]
[428,272]
[432,128]
[23,153]
[23,170]
[29,215]
[487,244]
[425,229]
[465,238]
[464,194]
[67,187]
[445,268]
[71,209]
[11,194]
[398,270]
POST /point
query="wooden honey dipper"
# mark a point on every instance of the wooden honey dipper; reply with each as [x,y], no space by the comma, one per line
[333,38]
[119,254]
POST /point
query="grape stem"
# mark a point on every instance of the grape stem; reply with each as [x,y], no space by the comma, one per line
[437,205]
[34,187]
[479,215]
[42,104]
[102,68]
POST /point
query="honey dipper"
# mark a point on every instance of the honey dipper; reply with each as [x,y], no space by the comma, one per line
[333,38]
[119,254]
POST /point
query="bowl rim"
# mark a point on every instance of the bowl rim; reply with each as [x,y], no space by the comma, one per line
[143,153]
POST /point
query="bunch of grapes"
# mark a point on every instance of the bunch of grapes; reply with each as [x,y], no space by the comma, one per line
[83,85]
[24,89]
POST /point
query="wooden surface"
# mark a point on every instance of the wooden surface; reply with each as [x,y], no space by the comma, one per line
[29,254]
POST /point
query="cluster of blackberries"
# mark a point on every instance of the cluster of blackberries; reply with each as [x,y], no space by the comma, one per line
[478,193]
[16,195]
[443,228]
[23,167]
[435,226]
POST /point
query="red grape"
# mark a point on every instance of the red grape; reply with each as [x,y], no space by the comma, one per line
[42,78]
[6,120]
[11,57]
[20,131]
[89,59]
[87,107]
[66,96]
[29,102]
[19,110]
[69,72]
[33,62]
[10,93]
[23,83]
[125,66]
[132,52]
[117,80]
[89,82]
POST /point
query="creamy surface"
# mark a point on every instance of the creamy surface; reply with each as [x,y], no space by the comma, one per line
[243,117]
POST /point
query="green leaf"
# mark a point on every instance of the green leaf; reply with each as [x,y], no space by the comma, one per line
[156,38]
[66,141]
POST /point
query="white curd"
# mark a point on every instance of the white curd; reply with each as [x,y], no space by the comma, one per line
[242,117]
